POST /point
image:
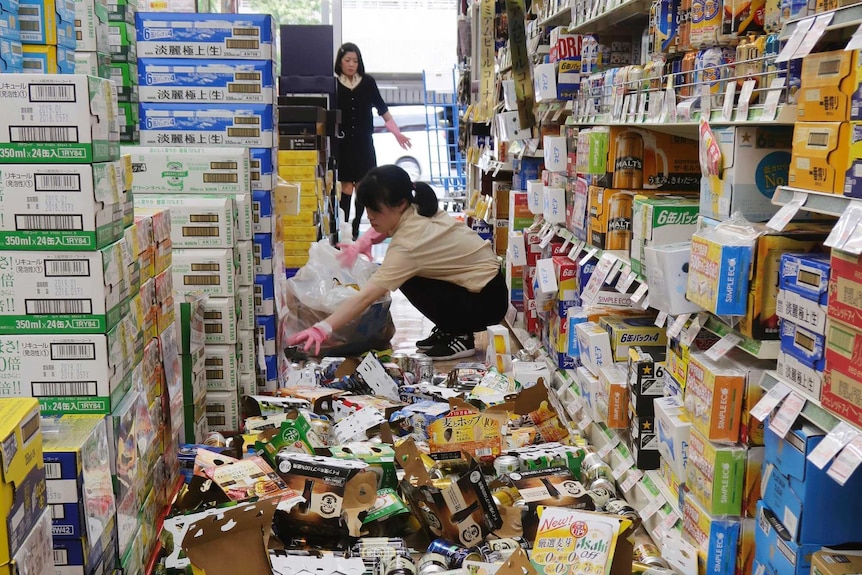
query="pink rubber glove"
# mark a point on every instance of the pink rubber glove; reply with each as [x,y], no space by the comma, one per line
[312,337]
[351,250]
[403,140]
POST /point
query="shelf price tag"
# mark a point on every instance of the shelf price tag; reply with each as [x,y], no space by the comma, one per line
[795,40]
[634,476]
[705,102]
[685,109]
[615,271]
[661,319]
[652,507]
[692,330]
[787,212]
[787,414]
[642,107]
[656,99]
[639,293]
[729,95]
[676,327]
[723,346]
[744,100]
[626,282]
[814,34]
[855,42]
[669,112]
[669,520]
[576,251]
[588,256]
[773,97]
[832,444]
[769,401]
[847,461]
[846,233]
[594,285]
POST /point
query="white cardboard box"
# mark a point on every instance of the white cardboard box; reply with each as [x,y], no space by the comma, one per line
[220,320]
[190,170]
[673,427]
[246,351]
[245,307]
[212,271]
[222,368]
[223,410]
[197,221]
[244,216]
[245,255]
[595,346]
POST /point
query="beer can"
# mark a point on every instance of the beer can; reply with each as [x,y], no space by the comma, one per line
[431,564]
[601,486]
[620,507]
[506,464]
[645,551]
[506,496]
[454,554]
[639,568]
[400,565]
[425,370]
[215,439]
[509,543]
[402,360]
[321,428]
[620,205]
[415,360]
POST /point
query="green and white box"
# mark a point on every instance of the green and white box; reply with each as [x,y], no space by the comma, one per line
[245,307]
[659,221]
[244,216]
[93,64]
[222,368]
[247,384]
[181,170]
[222,410]
[245,350]
[245,255]
[213,272]
[59,207]
[196,221]
[220,320]
[56,118]
[62,292]
[66,373]
[91,26]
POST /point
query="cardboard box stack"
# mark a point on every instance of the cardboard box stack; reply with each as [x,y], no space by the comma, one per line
[92,50]
[122,54]
[47,35]
[25,545]
[10,39]
[209,200]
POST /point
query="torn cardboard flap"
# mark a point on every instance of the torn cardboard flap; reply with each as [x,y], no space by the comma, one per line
[321,398]
[232,542]
[518,563]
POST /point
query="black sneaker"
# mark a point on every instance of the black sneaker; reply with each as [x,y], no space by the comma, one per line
[436,337]
[453,347]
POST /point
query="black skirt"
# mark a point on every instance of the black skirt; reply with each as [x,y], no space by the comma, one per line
[355,158]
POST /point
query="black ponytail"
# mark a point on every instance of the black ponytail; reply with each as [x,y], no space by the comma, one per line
[425,199]
[390,186]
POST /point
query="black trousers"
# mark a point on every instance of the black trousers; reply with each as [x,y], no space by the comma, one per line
[456,310]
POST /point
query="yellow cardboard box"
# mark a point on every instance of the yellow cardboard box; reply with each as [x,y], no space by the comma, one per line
[298,157]
[22,490]
[830,81]
[822,155]
[297,172]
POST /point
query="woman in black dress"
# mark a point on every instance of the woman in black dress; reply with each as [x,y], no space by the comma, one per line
[357,94]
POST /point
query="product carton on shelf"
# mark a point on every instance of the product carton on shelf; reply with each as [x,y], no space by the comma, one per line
[628,332]
[190,170]
[35,553]
[666,270]
[613,396]
[248,125]
[263,220]
[197,221]
[212,271]
[829,90]
[824,153]
[47,22]
[659,221]
[76,455]
[643,159]
[220,320]
[842,381]
[806,275]
[812,506]
[713,396]
[60,207]
[646,374]
[78,128]
[245,256]
[94,64]
[789,556]
[206,36]
[22,489]
[185,81]
[835,563]
[222,367]
[91,26]
[223,410]
[754,161]
[715,475]
[49,59]
[12,59]
[716,538]
[804,345]
[673,427]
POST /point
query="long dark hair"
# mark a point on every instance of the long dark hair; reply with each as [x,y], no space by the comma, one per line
[390,185]
[345,48]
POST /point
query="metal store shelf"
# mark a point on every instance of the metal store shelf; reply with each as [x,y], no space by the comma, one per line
[845,17]
[815,202]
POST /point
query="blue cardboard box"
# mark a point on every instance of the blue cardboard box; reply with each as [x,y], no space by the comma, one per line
[266,331]
[775,549]
[247,125]
[806,275]
[263,254]
[264,295]
[47,22]
[261,206]
[813,507]
[180,81]
[207,36]
[263,168]
[11,56]
[271,362]
[48,59]
[9,28]
[79,557]
[805,345]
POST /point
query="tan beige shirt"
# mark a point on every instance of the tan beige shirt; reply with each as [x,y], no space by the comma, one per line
[439,247]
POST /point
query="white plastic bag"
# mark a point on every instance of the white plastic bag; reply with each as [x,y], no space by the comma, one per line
[321,286]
